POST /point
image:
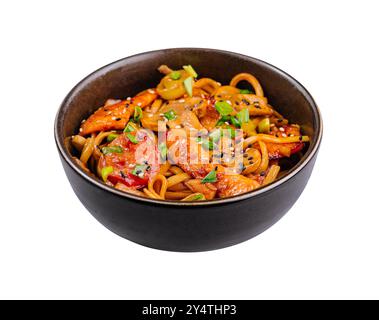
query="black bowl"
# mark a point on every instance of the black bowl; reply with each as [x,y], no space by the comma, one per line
[183,226]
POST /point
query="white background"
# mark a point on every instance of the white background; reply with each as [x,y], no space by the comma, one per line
[325,247]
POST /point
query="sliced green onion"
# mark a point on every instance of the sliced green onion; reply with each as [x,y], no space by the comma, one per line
[175,75]
[223,108]
[194,197]
[264,126]
[190,70]
[137,114]
[245,91]
[231,131]
[129,128]
[235,122]
[215,135]
[205,143]
[112,149]
[210,177]
[112,136]
[222,120]
[163,150]
[197,197]
[139,170]
[105,172]
[132,138]
[243,116]
[170,115]
[188,85]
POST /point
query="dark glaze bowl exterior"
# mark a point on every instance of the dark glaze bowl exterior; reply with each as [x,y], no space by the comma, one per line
[174,225]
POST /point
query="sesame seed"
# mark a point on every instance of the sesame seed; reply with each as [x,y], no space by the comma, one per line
[128,98]
[81,129]
[250,158]
[139,104]
[151,91]
[177,127]
[284,135]
[182,100]
[272,125]
[281,129]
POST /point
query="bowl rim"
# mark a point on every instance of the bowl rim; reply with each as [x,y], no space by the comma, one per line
[311,152]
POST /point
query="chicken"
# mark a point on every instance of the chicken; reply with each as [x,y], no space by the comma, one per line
[116,116]
[280,150]
[229,185]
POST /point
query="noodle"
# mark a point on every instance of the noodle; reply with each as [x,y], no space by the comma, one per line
[177,178]
[264,160]
[87,149]
[163,186]
[249,78]
[271,175]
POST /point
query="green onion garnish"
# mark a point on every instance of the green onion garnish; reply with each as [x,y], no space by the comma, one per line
[129,128]
[175,75]
[235,122]
[137,114]
[243,116]
[112,136]
[190,70]
[205,143]
[210,177]
[113,149]
[170,115]
[188,85]
[162,150]
[245,91]
[223,108]
[230,132]
[105,172]
[215,135]
[222,120]
[139,170]
[132,138]
[197,197]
